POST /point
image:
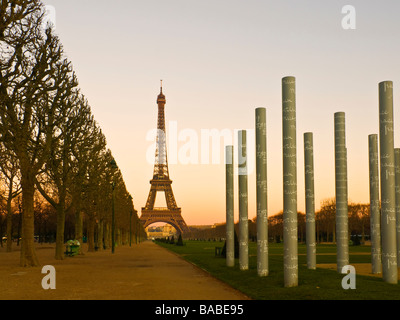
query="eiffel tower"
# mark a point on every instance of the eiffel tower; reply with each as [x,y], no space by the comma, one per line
[161,181]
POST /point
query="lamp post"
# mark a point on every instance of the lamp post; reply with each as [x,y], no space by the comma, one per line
[114,166]
[130,229]
[130,223]
[136,227]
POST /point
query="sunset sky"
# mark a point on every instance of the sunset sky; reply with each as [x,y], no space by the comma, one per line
[219,60]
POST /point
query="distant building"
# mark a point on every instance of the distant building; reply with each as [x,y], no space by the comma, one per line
[161,231]
[201,227]
[215,225]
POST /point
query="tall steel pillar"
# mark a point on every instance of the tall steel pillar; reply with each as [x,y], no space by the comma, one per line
[342,229]
[375,214]
[261,180]
[310,200]
[230,231]
[290,236]
[243,202]
[388,198]
[397,189]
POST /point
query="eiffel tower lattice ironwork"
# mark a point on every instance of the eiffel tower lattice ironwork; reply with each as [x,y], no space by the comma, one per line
[161,181]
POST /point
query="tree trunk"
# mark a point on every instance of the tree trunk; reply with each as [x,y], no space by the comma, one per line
[9,225]
[90,233]
[106,235]
[79,226]
[100,235]
[28,254]
[19,223]
[60,231]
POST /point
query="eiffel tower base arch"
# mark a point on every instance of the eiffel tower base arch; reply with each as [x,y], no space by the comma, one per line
[172,217]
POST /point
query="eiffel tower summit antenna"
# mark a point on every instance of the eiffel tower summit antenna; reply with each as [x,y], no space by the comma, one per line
[161,181]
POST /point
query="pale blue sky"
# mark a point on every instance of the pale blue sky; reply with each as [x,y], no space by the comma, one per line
[219,60]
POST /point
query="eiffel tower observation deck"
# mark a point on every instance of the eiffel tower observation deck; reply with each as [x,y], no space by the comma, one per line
[161,182]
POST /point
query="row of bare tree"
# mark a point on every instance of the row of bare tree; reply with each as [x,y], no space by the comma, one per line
[50,143]
[325,222]
[359,224]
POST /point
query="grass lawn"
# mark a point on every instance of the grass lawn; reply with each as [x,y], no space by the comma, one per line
[320,284]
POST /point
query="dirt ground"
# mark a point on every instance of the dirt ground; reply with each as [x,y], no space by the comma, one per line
[140,272]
